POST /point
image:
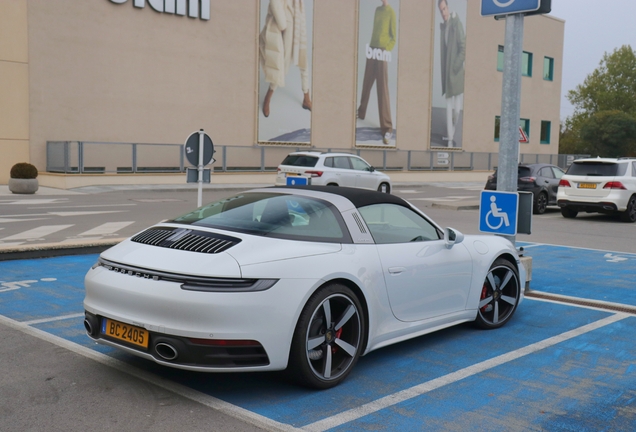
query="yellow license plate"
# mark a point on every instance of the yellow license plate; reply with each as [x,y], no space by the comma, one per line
[587,185]
[125,332]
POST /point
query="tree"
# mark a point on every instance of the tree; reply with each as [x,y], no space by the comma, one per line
[610,134]
[604,107]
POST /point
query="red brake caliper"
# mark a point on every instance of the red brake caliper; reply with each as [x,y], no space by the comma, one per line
[484,294]
[338,333]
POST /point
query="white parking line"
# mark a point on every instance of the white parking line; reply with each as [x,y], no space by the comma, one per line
[106,229]
[57,318]
[418,390]
[37,233]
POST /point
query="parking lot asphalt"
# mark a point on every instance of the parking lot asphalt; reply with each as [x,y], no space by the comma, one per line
[561,364]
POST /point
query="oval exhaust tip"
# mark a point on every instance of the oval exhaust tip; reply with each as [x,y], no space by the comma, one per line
[166,351]
[88,327]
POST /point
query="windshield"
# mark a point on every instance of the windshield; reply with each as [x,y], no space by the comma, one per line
[272,215]
[604,169]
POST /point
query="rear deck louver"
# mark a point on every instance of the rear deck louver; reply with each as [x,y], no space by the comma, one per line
[186,239]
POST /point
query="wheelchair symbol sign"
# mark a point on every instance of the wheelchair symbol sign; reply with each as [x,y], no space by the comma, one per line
[498,212]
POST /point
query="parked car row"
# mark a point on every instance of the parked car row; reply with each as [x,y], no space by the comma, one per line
[600,185]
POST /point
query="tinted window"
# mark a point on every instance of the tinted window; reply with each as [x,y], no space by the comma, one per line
[546,172]
[391,223]
[524,171]
[329,162]
[558,172]
[272,215]
[605,169]
[300,161]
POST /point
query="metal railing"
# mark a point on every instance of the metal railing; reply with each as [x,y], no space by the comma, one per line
[90,157]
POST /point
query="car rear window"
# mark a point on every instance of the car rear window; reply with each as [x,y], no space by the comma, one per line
[601,169]
[282,216]
[300,161]
[524,172]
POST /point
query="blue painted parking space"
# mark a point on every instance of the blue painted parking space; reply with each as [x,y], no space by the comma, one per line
[583,273]
[526,375]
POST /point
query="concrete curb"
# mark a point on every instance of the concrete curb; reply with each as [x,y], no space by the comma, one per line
[464,205]
[45,250]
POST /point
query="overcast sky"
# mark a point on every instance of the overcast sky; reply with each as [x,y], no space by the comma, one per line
[592,27]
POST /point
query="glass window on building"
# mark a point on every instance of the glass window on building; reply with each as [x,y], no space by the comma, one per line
[526,64]
[548,68]
[500,58]
[497,124]
[545,131]
[525,125]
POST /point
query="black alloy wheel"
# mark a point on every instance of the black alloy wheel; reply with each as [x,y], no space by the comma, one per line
[328,338]
[541,203]
[629,215]
[499,295]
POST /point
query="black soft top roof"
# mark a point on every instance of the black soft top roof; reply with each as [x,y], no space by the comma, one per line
[359,197]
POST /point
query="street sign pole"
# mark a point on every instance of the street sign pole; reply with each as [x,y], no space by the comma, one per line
[510,107]
[200,168]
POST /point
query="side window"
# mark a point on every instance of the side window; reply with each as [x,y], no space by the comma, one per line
[329,162]
[341,162]
[546,172]
[558,172]
[359,164]
[633,169]
[391,223]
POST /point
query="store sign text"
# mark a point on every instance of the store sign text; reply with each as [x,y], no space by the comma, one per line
[177,7]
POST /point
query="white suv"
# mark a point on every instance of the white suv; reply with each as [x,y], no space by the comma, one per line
[331,169]
[601,185]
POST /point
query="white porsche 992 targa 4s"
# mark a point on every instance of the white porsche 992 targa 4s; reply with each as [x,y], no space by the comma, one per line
[307,278]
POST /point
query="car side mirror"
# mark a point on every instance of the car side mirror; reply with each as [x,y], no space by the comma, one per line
[452,237]
[371,169]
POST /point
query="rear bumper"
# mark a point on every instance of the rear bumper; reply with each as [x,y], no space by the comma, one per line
[581,206]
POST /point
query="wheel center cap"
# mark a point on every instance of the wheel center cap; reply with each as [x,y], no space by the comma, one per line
[496,295]
[329,336]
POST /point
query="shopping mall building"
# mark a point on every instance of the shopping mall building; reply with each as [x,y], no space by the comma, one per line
[106,89]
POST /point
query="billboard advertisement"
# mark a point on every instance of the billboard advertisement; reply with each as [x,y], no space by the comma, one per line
[285,57]
[449,53]
[377,67]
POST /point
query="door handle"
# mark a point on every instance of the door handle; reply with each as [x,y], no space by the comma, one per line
[396,270]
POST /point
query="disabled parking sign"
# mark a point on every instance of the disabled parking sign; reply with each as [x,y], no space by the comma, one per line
[498,212]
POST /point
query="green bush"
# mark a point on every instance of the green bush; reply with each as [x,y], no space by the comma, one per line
[24,170]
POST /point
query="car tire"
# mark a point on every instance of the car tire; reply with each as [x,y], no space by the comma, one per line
[568,213]
[541,203]
[629,215]
[328,338]
[332,184]
[500,295]
[384,188]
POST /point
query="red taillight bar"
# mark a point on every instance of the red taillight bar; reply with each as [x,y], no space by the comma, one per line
[564,183]
[614,185]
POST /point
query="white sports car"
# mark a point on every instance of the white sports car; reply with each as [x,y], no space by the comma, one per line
[307,278]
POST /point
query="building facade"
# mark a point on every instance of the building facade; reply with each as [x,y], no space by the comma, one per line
[337,74]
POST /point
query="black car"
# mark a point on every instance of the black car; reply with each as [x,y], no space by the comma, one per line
[540,179]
